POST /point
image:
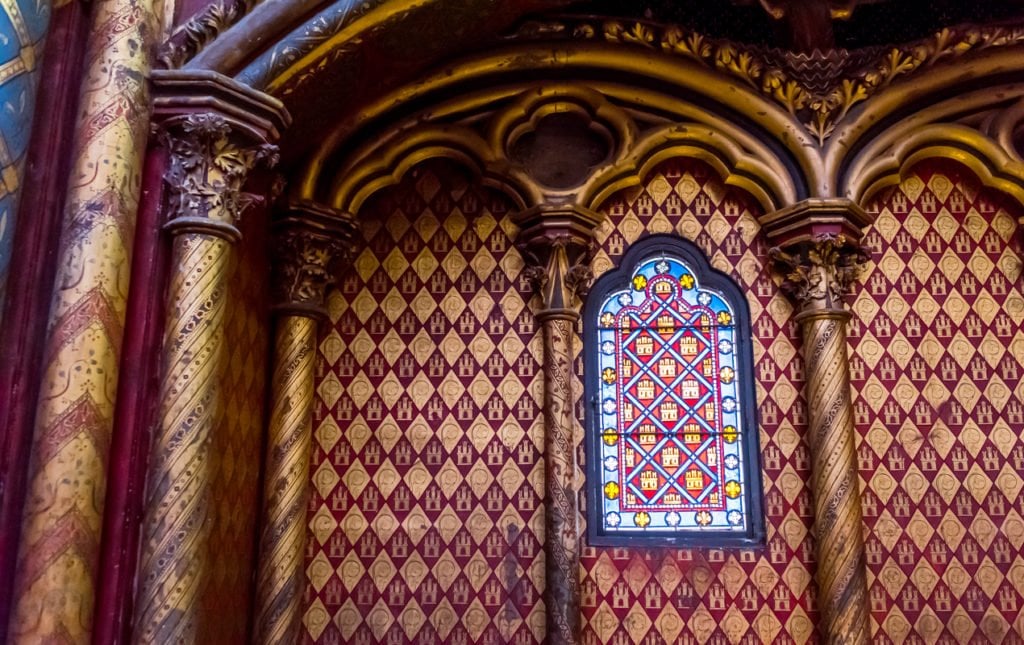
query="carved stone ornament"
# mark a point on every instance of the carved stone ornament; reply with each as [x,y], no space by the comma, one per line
[201,29]
[793,82]
[818,274]
[559,271]
[208,167]
[303,268]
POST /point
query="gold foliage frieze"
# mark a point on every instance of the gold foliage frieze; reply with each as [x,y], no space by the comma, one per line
[786,78]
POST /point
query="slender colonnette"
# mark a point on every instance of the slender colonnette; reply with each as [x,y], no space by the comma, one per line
[557,245]
[820,260]
[310,242]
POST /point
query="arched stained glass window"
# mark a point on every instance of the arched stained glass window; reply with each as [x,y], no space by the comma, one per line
[672,449]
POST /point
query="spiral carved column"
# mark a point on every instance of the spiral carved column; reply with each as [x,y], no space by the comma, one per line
[210,156]
[820,260]
[309,243]
[557,246]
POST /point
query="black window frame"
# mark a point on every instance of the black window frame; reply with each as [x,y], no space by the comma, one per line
[707,277]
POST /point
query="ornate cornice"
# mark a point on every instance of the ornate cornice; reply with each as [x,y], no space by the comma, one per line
[818,89]
[819,273]
[207,168]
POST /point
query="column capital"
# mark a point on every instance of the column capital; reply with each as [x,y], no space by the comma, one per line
[310,240]
[816,246]
[557,244]
[216,131]
[818,273]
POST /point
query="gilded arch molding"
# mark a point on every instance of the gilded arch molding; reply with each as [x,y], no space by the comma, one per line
[760,176]
[980,129]
[641,128]
[377,166]
[288,48]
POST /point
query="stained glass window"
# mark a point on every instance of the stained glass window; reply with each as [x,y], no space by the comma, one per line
[670,387]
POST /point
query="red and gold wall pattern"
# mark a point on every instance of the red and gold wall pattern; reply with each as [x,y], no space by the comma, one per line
[702,595]
[427,509]
[937,361]
[237,445]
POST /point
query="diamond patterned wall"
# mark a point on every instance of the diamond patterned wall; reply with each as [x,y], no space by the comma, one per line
[237,444]
[427,517]
[426,513]
[709,595]
[937,359]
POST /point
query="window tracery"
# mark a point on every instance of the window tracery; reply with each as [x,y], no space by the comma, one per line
[673,441]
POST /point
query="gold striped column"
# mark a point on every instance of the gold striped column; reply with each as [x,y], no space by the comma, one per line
[556,243]
[210,155]
[309,242]
[820,258]
[54,587]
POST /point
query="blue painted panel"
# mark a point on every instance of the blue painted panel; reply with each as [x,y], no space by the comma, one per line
[17,103]
[23,25]
[10,46]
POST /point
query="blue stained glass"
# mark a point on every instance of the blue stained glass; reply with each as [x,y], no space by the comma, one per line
[671,442]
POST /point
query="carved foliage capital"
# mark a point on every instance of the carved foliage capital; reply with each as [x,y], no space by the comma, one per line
[209,163]
[303,268]
[559,269]
[819,274]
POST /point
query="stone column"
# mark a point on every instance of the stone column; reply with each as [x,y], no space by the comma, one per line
[818,253]
[309,243]
[215,132]
[556,243]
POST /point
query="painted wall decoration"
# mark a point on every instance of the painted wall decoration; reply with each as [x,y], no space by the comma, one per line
[699,595]
[237,446]
[22,32]
[428,484]
[427,474]
[426,508]
[937,360]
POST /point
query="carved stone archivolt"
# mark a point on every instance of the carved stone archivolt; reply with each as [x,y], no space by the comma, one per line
[825,124]
[189,38]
